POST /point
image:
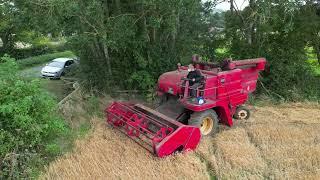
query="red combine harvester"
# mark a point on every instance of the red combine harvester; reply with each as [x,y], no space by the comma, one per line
[181,119]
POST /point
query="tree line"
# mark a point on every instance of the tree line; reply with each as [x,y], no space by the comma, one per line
[127,44]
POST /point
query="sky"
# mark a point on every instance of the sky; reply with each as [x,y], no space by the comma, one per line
[241,4]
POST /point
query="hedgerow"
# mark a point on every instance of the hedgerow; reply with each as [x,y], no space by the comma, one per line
[31,61]
[29,124]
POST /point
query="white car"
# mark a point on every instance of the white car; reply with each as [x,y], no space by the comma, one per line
[57,68]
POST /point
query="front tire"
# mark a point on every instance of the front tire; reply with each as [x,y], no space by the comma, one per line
[207,121]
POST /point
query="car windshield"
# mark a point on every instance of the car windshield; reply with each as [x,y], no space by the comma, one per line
[56,64]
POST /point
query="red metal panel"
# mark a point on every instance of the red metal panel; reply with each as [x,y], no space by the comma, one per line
[169,82]
[211,87]
[183,139]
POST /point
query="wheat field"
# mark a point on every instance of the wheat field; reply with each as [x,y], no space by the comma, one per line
[277,142]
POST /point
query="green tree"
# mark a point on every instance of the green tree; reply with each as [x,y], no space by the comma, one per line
[128,43]
[309,18]
[19,22]
[274,29]
[7,25]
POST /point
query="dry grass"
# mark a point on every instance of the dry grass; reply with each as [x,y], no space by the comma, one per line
[108,154]
[280,142]
[237,157]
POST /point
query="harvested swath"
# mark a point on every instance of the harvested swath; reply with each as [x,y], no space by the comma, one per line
[280,142]
[291,151]
[108,154]
[237,157]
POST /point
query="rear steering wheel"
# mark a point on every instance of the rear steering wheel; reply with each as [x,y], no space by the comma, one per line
[242,113]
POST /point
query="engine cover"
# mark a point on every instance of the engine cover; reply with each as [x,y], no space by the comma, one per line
[170,82]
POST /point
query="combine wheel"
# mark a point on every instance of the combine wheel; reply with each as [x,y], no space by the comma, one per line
[207,121]
[242,113]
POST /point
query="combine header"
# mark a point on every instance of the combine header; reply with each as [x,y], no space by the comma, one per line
[186,113]
[153,131]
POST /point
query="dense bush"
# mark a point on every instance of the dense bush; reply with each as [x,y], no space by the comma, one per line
[36,51]
[29,123]
[23,63]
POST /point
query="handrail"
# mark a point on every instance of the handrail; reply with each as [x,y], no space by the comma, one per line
[187,89]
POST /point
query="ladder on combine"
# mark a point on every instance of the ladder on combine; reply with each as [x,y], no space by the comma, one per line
[152,130]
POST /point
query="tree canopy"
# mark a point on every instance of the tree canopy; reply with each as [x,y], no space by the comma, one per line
[128,44]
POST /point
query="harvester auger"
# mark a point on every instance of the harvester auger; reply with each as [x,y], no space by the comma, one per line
[181,119]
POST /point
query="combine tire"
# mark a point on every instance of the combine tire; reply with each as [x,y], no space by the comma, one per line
[242,113]
[207,121]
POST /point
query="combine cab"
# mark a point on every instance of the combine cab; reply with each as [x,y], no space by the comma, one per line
[180,120]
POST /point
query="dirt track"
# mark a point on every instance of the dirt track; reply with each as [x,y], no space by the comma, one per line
[280,142]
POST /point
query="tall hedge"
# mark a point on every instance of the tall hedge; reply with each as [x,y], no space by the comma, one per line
[29,123]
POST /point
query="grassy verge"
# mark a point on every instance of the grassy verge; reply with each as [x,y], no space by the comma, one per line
[57,88]
[36,60]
